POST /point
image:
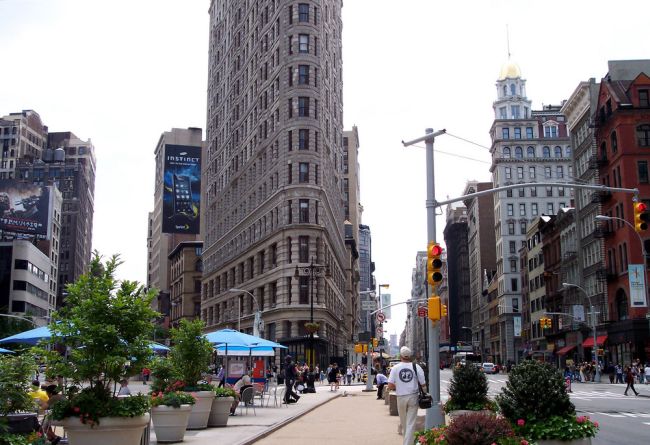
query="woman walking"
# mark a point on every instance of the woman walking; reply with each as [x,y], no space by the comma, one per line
[629,379]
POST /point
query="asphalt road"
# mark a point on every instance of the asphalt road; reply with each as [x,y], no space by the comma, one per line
[623,419]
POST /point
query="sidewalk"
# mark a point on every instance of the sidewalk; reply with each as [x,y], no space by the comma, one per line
[247,428]
[357,418]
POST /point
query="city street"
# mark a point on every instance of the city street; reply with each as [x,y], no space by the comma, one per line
[622,419]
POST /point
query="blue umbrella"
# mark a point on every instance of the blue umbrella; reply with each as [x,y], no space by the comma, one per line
[6,351]
[231,337]
[30,337]
[157,347]
[255,351]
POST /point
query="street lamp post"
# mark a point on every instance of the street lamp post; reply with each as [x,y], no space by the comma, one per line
[644,254]
[258,314]
[381,325]
[593,327]
[313,271]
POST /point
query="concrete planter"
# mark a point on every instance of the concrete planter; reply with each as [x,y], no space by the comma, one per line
[200,410]
[170,423]
[110,431]
[220,411]
[449,417]
[583,441]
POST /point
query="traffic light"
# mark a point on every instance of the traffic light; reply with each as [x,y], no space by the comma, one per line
[434,263]
[641,217]
[434,308]
[443,310]
[542,322]
[375,342]
[549,323]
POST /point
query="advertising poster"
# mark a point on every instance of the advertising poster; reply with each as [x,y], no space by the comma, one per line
[517,325]
[182,189]
[636,274]
[24,208]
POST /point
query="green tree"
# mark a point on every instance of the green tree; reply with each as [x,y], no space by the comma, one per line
[191,351]
[468,389]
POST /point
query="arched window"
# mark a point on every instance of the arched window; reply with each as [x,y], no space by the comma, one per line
[546,152]
[513,89]
[198,266]
[505,90]
[506,152]
[519,153]
[558,152]
[567,152]
[603,151]
[621,305]
[614,142]
[530,152]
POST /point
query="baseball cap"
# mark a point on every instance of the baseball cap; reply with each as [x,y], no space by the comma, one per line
[405,351]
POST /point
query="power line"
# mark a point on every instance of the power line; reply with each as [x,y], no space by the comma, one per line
[454,154]
[467,140]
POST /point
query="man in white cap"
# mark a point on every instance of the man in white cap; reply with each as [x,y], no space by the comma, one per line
[405,379]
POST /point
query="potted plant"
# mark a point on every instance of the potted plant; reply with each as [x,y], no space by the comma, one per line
[473,428]
[103,327]
[311,327]
[17,407]
[223,400]
[190,357]
[535,401]
[468,389]
[170,412]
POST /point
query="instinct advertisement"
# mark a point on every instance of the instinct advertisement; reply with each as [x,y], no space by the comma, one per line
[182,189]
[24,208]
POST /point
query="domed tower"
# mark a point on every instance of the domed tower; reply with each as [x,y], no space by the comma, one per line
[511,102]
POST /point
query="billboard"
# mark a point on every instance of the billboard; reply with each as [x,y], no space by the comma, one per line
[386,301]
[24,208]
[181,189]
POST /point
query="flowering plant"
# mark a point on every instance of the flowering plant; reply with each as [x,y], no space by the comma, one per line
[558,428]
[475,428]
[224,392]
[36,438]
[174,399]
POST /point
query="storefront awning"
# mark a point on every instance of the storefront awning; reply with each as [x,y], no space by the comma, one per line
[565,350]
[589,343]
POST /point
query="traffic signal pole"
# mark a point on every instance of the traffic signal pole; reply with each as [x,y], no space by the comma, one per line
[434,415]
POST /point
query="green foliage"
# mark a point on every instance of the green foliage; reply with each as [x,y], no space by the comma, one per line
[92,403]
[22,439]
[224,392]
[10,326]
[174,399]
[191,352]
[165,376]
[439,436]
[534,392]
[105,324]
[559,428]
[15,383]
[468,389]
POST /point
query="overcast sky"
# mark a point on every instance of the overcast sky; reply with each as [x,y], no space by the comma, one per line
[123,71]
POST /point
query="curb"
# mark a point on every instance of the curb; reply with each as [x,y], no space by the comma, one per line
[273,428]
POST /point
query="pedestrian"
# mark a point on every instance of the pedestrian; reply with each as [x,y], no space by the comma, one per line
[124,388]
[629,379]
[332,376]
[381,382]
[646,371]
[348,375]
[406,379]
[146,372]
[38,394]
[290,375]
[642,374]
[221,377]
[619,374]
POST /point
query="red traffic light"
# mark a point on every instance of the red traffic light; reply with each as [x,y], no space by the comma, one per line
[436,250]
[641,207]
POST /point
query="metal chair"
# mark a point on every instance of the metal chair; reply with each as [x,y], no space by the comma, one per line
[248,400]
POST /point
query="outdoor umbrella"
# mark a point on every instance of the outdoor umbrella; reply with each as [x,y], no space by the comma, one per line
[256,351]
[6,351]
[30,337]
[157,347]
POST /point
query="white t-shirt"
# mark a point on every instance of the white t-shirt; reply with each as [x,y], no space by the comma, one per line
[403,377]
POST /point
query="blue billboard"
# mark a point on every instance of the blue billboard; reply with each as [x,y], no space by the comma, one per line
[182,189]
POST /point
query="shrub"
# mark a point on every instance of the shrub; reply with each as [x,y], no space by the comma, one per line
[191,353]
[224,392]
[468,389]
[558,428]
[15,377]
[165,376]
[174,399]
[91,404]
[534,392]
[477,429]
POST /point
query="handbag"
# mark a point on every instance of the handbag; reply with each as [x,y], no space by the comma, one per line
[425,401]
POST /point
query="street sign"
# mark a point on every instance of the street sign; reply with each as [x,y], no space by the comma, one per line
[381,317]
[368,305]
[422,312]
[380,331]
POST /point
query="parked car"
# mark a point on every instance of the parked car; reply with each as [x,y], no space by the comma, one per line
[489,368]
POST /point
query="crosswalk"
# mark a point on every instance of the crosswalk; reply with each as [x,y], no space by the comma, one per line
[595,395]
[618,415]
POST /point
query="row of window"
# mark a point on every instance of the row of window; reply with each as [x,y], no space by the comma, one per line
[26,265]
[533,192]
[532,172]
[29,287]
[24,307]
[304,75]
[531,152]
